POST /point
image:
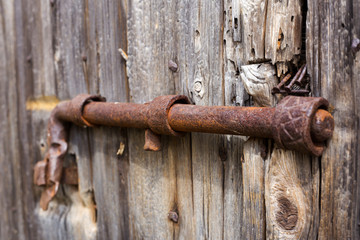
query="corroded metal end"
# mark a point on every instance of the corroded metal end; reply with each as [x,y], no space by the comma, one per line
[293,121]
[49,172]
[322,126]
[158,110]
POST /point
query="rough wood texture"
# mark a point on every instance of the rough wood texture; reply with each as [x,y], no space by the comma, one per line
[334,68]
[49,50]
[258,80]
[222,187]
[289,195]
[272,175]
[251,22]
[188,34]
[156,178]
[254,219]
[283,36]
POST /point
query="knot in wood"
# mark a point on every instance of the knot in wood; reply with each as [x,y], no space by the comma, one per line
[287,214]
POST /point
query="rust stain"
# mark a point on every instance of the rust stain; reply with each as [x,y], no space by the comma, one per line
[44,103]
[280,39]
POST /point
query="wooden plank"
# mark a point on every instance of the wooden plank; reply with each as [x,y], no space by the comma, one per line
[70,211]
[356,73]
[69,37]
[288,195]
[231,154]
[258,80]
[333,67]
[252,24]
[253,164]
[110,167]
[9,227]
[206,87]
[155,179]
[235,93]
[16,189]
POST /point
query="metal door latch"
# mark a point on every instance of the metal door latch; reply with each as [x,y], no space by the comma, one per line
[297,123]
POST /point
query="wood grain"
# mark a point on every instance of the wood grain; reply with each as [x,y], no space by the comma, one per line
[251,22]
[288,198]
[283,38]
[154,179]
[222,187]
[334,70]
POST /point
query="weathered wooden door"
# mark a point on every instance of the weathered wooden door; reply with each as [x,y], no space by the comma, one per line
[229,52]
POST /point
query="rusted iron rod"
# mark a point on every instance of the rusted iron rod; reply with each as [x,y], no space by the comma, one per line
[250,121]
[297,123]
[129,115]
[247,121]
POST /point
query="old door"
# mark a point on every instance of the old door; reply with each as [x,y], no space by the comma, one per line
[201,186]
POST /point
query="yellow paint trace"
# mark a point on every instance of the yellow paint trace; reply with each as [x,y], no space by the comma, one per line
[45,103]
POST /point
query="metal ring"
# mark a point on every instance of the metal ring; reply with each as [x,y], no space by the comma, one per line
[158,113]
[77,105]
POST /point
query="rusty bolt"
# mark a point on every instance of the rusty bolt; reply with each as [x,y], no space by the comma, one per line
[29,58]
[278,88]
[322,126]
[296,123]
[173,216]
[173,66]
[297,86]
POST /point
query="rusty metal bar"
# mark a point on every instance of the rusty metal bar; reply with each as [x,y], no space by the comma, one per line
[247,121]
[296,123]
[128,115]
